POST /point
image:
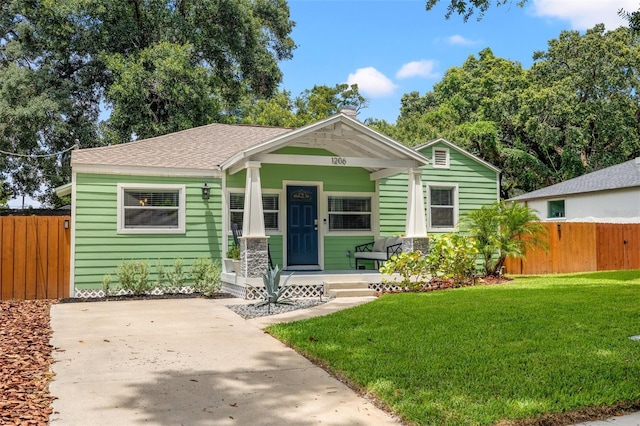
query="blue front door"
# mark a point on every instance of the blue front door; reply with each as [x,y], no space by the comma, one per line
[302,227]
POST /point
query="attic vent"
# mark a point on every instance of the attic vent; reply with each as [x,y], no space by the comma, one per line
[441,158]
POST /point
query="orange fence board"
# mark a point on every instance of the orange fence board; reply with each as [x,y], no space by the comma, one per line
[7,259]
[19,257]
[632,246]
[610,236]
[35,257]
[582,247]
[30,267]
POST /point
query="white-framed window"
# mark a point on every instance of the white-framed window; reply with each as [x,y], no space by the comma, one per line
[442,206]
[440,158]
[270,207]
[555,209]
[151,209]
[349,212]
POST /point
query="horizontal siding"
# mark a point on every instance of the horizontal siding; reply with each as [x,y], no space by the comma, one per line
[477,186]
[99,249]
[275,248]
[335,248]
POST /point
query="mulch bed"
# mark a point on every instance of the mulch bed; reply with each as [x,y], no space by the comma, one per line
[25,358]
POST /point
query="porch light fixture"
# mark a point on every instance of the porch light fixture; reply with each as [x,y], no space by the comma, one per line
[66,224]
[206,192]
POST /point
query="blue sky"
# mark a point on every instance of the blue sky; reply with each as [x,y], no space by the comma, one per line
[393,47]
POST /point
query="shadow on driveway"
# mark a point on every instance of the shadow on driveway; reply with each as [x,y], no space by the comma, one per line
[190,362]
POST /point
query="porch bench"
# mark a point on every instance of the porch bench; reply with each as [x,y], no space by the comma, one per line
[379,250]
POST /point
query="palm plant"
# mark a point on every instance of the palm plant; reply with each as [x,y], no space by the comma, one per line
[504,230]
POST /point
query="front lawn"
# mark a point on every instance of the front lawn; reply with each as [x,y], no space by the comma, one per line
[478,355]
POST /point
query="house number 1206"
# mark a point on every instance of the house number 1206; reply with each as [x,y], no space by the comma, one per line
[339,160]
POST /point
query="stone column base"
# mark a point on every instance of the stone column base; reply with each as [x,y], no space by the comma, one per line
[416,243]
[254,256]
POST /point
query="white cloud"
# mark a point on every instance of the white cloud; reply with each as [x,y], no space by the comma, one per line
[371,82]
[584,14]
[460,40]
[423,68]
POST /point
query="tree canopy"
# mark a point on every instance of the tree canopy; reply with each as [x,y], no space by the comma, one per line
[311,105]
[466,8]
[575,111]
[158,65]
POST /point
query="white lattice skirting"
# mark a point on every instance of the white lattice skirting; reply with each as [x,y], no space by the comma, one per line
[157,291]
[295,291]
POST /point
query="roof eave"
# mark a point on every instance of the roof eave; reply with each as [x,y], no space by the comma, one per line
[63,190]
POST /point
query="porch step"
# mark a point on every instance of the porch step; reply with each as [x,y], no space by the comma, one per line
[348,289]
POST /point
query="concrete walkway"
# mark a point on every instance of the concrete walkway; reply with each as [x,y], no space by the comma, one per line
[628,420]
[189,362]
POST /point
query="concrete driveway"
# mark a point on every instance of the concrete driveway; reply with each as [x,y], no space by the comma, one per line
[187,362]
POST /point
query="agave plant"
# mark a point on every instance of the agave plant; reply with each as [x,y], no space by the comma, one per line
[273,289]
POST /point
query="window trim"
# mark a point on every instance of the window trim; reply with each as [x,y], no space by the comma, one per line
[564,216]
[268,231]
[122,187]
[349,232]
[456,205]
[447,156]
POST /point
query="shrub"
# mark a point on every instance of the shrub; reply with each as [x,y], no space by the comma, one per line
[176,277]
[106,285]
[453,256]
[412,267]
[133,276]
[206,276]
[161,276]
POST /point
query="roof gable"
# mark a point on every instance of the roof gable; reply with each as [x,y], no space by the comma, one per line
[339,134]
[624,175]
[423,147]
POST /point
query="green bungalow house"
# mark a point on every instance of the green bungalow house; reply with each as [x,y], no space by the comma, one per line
[303,197]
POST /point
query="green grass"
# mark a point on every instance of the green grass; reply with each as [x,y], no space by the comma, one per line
[478,355]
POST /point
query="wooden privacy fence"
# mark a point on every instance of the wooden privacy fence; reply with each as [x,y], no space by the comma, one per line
[35,257]
[582,247]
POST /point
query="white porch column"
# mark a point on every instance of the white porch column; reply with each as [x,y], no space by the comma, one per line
[253,219]
[416,225]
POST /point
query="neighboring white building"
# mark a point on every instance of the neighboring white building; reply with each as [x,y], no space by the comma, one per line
[610,195]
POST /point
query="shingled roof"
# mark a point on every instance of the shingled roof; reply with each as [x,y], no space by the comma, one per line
[624,175]
[204,147]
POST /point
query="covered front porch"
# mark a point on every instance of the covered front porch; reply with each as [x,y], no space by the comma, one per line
[320,186]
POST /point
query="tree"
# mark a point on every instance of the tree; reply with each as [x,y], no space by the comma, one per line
[582,110]
[160,65]
[310,106]
[466,8]
[575,111]
[323,101]
[504,230]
